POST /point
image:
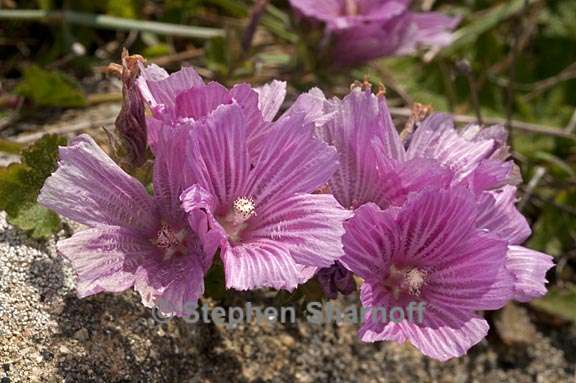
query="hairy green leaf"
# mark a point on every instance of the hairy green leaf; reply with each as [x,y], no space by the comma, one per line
[20,185]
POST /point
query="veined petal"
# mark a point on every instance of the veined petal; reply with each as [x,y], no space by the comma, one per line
[172,285]
[293,161]
[261,263]
[199,205]
[370,241]
[217,155]
[529,268]
[271,97]
[374,328]
[312,105]
[106,258]
[160,89]
[90,188]
[438,139]
[446,332]
[474,278]
[200,101]
[497,214]
[358,119]
[433,223]
[397,179]
[442,334]
[309,226]
[491,174]
[171,174]
[256,127]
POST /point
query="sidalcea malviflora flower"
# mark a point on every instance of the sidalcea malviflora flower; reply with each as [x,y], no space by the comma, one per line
[183,97]
[428,251]
[381,170]
[133,239]
[361,30]
[258,209]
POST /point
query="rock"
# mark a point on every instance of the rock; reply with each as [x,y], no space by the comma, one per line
[82,335]
[514,326]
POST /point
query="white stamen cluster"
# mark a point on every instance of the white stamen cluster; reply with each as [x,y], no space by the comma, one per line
[244,208]
[415,279]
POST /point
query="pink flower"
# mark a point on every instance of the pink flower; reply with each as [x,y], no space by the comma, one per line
[428,251]
[258,208]
[133,239]
[362,30]
[382,176]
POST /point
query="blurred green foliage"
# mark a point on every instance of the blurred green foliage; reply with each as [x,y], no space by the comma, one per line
[50,88]
[20,184]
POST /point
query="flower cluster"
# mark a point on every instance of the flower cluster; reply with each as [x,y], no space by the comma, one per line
[328,188]
[361,30]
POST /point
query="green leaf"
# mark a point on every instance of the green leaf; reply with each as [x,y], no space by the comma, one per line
[50,88]
[36,219]
[483,23]
[122,8]
[214,282]
[20,185]
[559,302]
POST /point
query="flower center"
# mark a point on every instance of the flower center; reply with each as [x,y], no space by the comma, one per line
[351,7]
[406,280]
[170,241]
[235,221]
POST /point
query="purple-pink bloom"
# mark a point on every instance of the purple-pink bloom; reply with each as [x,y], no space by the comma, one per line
[428,251]
[183,96]
[361,30]
[378,168]
[133,239]
[257,208]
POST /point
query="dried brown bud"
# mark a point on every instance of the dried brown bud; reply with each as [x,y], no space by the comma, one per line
[131,121]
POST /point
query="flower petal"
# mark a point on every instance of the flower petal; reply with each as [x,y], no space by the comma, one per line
[312,105]
[397,179]
[358,119]
[217,155]
[199,206]
[497,214]
[106,258]
[370,240]
[171,174]
[293,161]
[200,101]
[90,188]
[447,333]
[474,278]
[160,89]
[172,285]
[440,333]
[271,97]
[433,223]
[529,268]
[256,127]
[436,138]
[431,29]
[309,226]
[262,263]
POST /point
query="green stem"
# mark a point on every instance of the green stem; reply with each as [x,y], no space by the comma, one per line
[110,22]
